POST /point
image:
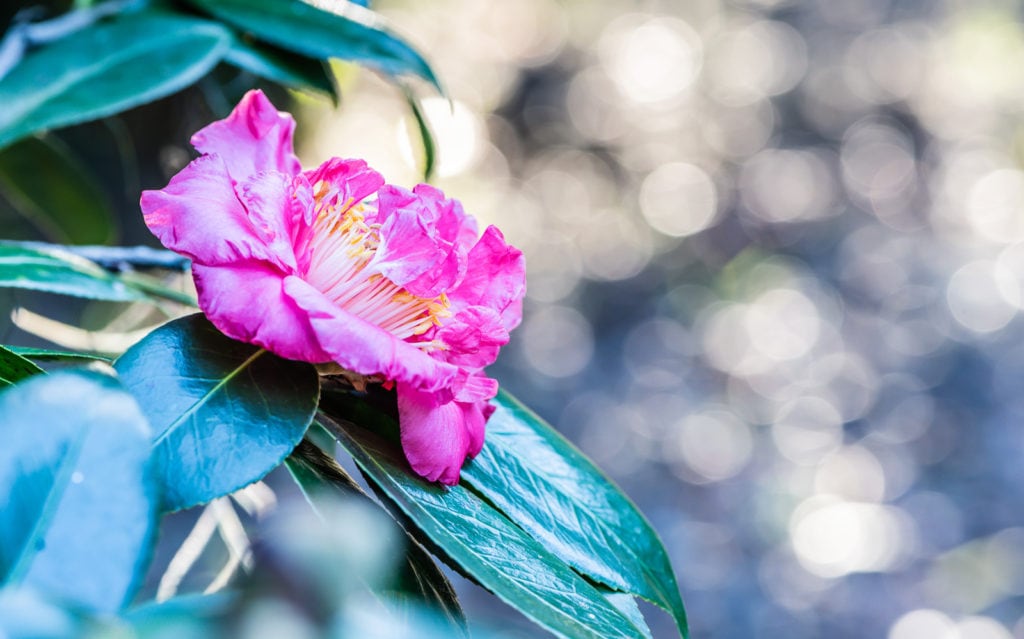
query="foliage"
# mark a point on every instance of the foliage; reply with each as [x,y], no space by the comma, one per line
[98,452]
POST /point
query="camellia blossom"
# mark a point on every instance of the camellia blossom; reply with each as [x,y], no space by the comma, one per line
[332,265]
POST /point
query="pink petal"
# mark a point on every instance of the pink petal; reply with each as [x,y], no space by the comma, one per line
[247,302]
[473,337]
[420,234]
[434,436]
[496,280]
[365,348]
[347,182]
[273,211]
[199,215]
[475,388]
[475,420]
[254,138]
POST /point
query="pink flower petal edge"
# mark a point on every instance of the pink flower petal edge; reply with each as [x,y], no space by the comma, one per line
[332,265]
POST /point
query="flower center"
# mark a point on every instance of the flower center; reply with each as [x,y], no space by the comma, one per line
[340,248]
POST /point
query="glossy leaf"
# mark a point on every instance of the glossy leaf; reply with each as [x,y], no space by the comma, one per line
[51,188]
[281,66]
[14,368]
[50,355]
[54,271]
[544,484]
[316,473]
[79,500]
[224,413]
[107,68]
[486,545]
[354,33]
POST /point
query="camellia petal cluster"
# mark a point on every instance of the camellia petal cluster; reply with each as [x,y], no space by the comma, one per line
[333,265]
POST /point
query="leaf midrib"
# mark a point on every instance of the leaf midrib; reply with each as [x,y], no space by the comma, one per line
[205,397]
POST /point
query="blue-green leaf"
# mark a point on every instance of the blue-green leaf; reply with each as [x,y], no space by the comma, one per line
[224,413]
[487,546]
[281,66]
[55,271]
[107,68]
[79,500]
[544,484]
[354,33]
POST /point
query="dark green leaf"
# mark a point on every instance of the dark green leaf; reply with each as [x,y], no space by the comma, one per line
[47,185]
[79,500]
[54,271]
[316,474]
[426,136]
[353,34]
[224,413]
[487,546]
[14,368]
[281,66]
[544,484]
[49,355]
[105,69]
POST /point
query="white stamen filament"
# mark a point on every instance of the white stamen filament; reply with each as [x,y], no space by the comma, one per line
[341,246]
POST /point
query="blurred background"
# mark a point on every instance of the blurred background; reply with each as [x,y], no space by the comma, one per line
[776,269]
[776,257]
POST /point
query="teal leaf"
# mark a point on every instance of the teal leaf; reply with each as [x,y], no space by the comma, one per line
[541,482]
[79,500]
[56,271]
[50,355]
[105,69]
[487,546]
[281,66]
[318,475]
[354,33]
[51,188]
[14,367]
[224,413]
[426,135]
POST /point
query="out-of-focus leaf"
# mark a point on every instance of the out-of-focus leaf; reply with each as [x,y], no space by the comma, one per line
[544,484]
[79,500]
[353,33]
[50,187]
[14,368]
[26,613]
[54,271]
[118,257]
[113,66]
[316,473]
[486,545]
[426,135]
[224,413]
[282,66]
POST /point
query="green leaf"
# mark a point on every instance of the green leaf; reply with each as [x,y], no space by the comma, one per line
[224,413]
[317,474]
[544,484]
[107,68]
[14,368]
[50,187]
[79,500]
[353,34]
[50,355]
[426,136]
[486,545]
[627,606]
[281,66]
[54,271]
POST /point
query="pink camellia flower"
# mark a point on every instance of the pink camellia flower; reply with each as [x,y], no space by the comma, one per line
[331,265]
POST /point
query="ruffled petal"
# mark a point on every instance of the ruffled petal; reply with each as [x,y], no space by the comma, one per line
[199,215]
[473,337]
[254,138]
[247,302]
[272,207]
[497,279]
[367,349]
[475,422]
[434,436]
[344,183]
[422,247]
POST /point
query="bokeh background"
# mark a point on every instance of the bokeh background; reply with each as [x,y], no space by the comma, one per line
[776,258]
[776,273]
